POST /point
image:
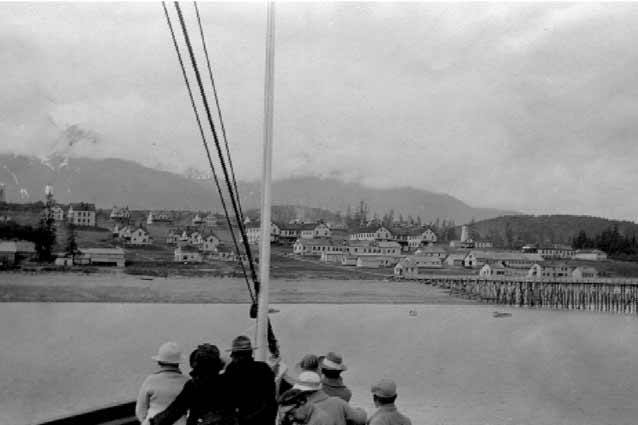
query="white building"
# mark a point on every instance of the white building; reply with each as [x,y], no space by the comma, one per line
[590,254]
[414,266]
[140,237]
[81,214]
[373,233]
[210,244]
[510,259]
[187,254]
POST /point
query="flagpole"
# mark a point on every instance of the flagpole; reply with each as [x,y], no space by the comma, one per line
[264,251]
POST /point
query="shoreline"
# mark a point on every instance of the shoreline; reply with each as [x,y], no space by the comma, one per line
[119,287]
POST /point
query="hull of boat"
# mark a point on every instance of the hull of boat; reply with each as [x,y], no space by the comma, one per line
[119,414]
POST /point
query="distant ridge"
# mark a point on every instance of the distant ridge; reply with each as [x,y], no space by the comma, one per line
[513,230]
[108,182]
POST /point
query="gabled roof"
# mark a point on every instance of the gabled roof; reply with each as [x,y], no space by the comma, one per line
[369,229]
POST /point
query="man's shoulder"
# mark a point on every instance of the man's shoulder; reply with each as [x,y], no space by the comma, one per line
[389,418]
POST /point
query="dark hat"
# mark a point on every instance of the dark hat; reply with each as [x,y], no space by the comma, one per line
[308,362]
[333,361]
[241,344]
[385,388]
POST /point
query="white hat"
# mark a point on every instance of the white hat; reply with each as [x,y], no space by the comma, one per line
[169,352]
[308,381]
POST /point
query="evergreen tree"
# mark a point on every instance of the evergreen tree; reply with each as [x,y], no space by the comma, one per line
[71,247]
[45,232]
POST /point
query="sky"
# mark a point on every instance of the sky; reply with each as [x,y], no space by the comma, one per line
[525,106]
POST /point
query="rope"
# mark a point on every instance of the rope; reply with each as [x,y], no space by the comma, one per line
[219,111]
[201,132]
[216,139]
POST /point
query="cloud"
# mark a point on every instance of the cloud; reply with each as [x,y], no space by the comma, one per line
[523,106]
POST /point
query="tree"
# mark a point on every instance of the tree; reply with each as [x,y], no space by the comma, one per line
[45,233]
[71,247]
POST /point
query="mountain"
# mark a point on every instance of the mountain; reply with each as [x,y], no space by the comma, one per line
[108,182]
[516,230]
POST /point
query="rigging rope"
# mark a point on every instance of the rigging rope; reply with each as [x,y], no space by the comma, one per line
[201,132]
[219,111]
[216,140]
[272,341]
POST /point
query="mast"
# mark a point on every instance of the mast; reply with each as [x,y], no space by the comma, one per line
[264,240]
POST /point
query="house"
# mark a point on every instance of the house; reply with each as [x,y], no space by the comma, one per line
[414,237]
[210,244]
[556,252]
[120,213]
[103,256]
[224,253]
[14,252]
[584,272]
[81,214]
[413,266]
[159,217]
[253,232]
[388,247]
[293,231]
[184,237]
[348,260]
[172,237]
[553,271]
[371,233]
[375,261]
[196,239]
[140,237]
[317,247]
[210,220]
[197,220]
[332,257]
[57,212]
[187,254]
[455,259]
[483,244]
[499,269]
[590,254]
[63,260]
[122,232]
[511,259]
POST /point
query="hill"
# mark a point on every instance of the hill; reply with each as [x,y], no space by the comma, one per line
[108,182]
[516,230]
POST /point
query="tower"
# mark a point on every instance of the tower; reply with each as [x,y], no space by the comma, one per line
[465,235]
[2,193]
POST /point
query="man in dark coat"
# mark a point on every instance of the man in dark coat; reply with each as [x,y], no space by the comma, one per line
[251,385]
[331,382]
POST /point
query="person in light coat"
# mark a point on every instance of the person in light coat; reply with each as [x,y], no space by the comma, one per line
[295,409]
[339,411]
[161,388]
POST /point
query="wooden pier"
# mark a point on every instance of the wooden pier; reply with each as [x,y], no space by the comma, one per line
[602,294]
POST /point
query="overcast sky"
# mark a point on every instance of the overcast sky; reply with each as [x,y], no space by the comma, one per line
[523,106]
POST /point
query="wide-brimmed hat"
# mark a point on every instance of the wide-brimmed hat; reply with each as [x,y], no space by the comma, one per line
[308,381]
[241,344]
[385,388]
[169,352]
[333,361]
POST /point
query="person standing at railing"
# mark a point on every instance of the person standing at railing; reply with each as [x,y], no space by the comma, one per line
[384,394]
[160,389]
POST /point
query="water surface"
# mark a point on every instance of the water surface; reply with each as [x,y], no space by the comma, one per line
[453,364]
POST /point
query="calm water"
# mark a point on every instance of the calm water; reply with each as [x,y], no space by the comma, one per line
[453,364]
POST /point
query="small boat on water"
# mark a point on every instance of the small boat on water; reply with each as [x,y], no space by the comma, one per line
[500,314]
